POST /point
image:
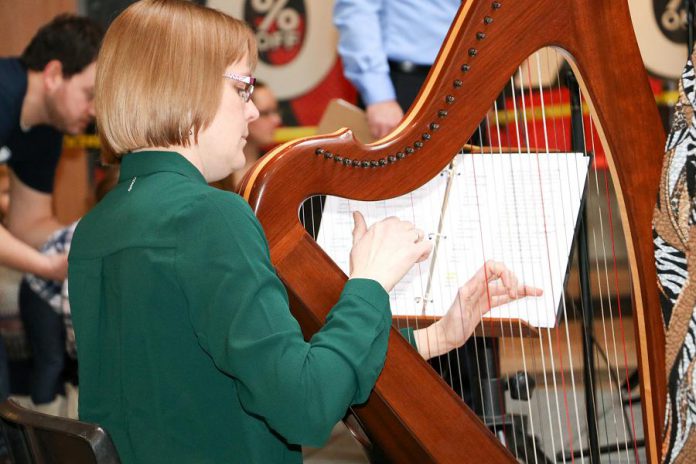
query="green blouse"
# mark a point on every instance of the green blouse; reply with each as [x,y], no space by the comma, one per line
[187,350]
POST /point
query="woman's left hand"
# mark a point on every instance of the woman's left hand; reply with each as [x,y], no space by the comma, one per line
[492,285]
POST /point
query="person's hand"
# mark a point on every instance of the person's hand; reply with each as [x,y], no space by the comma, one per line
[387,250]
[54,267]
[383,117]
[492,285]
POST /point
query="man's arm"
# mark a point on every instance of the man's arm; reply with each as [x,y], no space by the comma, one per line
[18,255]
[30,222]
[30,217]
[361,46]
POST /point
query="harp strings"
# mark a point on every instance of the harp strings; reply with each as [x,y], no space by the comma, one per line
[549,355]
[509,345]
[563,300]
[586,305]
[580,183]
[549,375]
[606,301]
[611,273]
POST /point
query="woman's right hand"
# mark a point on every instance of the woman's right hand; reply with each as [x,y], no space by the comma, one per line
[386,250]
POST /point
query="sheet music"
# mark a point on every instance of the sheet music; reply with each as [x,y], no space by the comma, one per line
[517,208]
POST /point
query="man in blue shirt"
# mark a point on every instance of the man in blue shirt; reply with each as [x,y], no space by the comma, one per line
[387,48]
[46,92]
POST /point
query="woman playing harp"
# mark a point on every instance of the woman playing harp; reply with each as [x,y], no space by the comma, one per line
[187,350]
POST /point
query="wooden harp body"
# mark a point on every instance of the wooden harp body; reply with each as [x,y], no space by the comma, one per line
[411,415]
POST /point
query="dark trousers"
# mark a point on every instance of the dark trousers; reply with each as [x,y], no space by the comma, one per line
[406,87]
[408,84]
[46,334]
[4,373]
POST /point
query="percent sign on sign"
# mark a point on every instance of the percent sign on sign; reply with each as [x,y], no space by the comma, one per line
[287,21]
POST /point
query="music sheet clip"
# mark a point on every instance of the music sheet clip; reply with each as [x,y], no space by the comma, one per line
[432,235]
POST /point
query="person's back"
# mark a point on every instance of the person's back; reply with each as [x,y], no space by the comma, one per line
[179,313]
[152,367]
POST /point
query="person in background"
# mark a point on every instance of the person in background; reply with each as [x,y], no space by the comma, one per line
[388,63]
[4,192]
[261,132]
[44,319]
[46,92]
[383,55]
[186,347]
[45,312]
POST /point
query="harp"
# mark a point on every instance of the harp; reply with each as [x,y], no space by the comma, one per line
[411,415]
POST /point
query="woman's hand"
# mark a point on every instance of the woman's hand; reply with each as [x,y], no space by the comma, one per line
[387,250]
[493,285]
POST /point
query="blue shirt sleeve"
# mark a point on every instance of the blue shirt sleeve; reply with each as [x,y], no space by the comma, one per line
[362,50]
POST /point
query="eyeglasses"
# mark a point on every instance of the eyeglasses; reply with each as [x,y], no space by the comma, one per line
[248,82]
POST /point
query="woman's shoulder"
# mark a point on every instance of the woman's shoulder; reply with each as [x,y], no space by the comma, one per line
[226,209]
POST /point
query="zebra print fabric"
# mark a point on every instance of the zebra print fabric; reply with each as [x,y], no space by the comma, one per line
[675,257]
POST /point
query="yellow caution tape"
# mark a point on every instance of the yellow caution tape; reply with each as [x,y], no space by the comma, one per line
[285,134]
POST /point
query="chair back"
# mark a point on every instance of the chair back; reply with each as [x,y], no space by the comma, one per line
[36,438]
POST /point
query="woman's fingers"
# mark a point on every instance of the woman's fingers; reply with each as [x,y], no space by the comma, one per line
[497,290]
[495,270]
[359,226]
[527,290]
[386,250]
[425,249]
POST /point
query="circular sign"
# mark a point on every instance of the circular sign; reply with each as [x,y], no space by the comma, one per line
[659,24]
[296,40]
[671,18]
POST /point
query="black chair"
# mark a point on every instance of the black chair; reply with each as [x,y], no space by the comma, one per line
[34,438]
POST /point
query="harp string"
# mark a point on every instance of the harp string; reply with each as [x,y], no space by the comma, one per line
[527,278]
[527,102]
[554,291]
[504,340]
[614,266]
[563,299]
[546,373]
[512,100]
[487,375]
[454,361]
[586,305]
[605,287]
[609,298]
[580,182]
[562,146]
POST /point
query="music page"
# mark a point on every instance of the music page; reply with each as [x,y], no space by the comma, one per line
[518,208]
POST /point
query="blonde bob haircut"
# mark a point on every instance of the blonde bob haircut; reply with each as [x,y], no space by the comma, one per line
[159,73]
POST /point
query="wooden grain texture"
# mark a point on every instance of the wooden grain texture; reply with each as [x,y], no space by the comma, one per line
[411,415]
